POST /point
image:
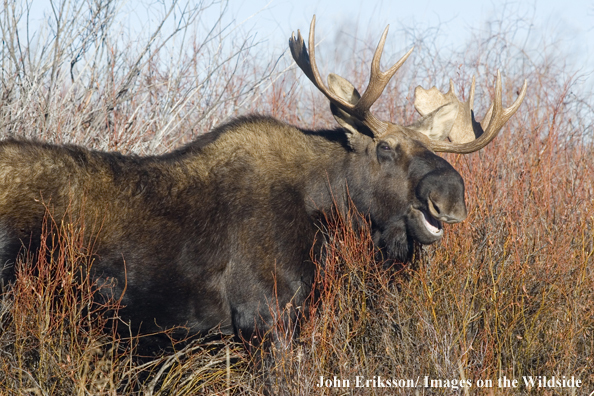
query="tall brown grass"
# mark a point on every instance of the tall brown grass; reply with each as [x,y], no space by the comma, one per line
[507,293]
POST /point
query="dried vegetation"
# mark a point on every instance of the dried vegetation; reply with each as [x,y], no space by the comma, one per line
[508,292]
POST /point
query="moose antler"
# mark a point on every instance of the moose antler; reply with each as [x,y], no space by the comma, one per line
[467,135]
[427,101]
[359,106]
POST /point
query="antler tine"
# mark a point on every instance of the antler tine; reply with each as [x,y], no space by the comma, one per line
[300,55]
[307,62]
[471,94]
[510,111]
[498,117]
[378,79]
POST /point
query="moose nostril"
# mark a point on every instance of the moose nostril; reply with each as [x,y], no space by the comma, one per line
[454,215]
[433,208]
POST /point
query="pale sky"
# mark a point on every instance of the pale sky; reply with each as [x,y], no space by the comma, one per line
[274,20]
[569,22]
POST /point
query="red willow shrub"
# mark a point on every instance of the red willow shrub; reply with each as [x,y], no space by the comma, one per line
[507,292]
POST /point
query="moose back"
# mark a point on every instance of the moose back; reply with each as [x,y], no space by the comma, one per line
[211,234]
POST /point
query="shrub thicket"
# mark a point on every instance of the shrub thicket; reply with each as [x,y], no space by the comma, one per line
[507,293]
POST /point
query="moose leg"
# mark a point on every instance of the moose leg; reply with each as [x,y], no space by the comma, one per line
[10,245]
[268,327]
[394,244]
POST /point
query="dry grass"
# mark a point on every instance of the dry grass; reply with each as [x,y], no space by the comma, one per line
[507,293]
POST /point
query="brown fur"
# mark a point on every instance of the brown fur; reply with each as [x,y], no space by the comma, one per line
[212,233]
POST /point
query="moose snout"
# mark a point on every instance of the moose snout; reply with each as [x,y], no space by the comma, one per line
[443,192]
[454,213]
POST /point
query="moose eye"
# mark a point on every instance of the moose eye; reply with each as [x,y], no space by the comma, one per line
[385,153]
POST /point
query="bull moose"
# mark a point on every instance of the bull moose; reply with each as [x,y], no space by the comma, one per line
[209,235]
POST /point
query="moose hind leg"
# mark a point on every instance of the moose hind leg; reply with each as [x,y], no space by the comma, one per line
[249,321]
[10,246]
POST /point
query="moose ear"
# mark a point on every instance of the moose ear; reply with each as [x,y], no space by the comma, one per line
[343,88]
[437,124]
[346,91]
